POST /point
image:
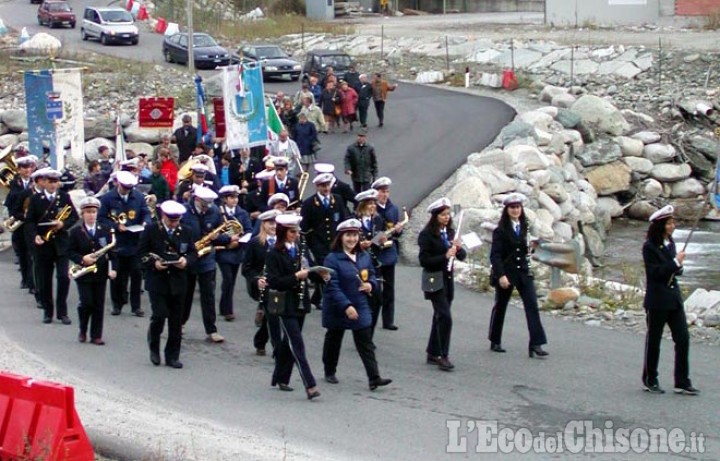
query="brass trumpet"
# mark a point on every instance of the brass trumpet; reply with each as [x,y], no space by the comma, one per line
[78,270]
[12,224]
[62,215]
[9,168]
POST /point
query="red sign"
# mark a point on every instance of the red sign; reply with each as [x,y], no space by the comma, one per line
[157,112]
[219,107]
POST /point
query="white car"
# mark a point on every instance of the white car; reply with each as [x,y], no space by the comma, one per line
[109,25]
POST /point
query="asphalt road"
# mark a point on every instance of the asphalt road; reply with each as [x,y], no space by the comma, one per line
[593,374]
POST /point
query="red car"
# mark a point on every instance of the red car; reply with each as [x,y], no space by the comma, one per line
[56,13]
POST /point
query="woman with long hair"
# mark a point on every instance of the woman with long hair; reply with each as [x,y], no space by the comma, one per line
[253,269]
[438,244]
[288,299]
[347,301]
[509,257]
[664,304]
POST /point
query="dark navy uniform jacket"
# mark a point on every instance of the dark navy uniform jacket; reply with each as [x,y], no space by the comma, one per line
[179,243]
[236,255]
[391,216]
[136,211]
[319,223]
[199,225]
[342,291]
[661,271]
[40,210]
[509,254]
[81,244]
[432,258]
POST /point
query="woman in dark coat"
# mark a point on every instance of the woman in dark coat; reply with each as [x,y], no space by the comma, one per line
[346,303]
[664,304]
[509,257]
[287,277]
[330,103]
[438,243]
[305,136]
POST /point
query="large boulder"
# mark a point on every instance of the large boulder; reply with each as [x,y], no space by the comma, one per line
[549,92]
[706,146]
[610,179]
[639,164]
[15,120]
[565,100]
[92,146]
[610,205]
[659,153]
[140,147]
[497,181]
[568,119]
[470,193]
[651,189]
[563,231]
[701,166]
[542,224]
[599,153]
[134,133]
[8,140]
[536,118]
[549,204]
[671,172]
[530,156]
[601,115]
[101,127]
[496,158]
[687,188]
[688,209]
[556,192]
[641,210]
[594,245]
[647,137]
[3,128]
[630,147]
[514,130]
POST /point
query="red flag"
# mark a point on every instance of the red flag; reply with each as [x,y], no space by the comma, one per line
[219,108]
[156,112]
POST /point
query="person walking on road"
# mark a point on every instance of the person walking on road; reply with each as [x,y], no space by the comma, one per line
[361,162]
[664,304]
[380,89]
[349,99]
[365,95]
[438,244]
[347,303]
[509,257]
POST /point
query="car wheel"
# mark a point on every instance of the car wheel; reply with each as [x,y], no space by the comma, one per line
[168,56]
[104,40]
[83,35]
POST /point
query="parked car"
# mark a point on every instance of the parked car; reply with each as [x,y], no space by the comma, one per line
[317,61]
[274,60]
[109,25]
[55,13]
[206,51]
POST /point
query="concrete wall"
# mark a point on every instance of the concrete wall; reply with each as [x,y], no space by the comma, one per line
[579,12]
[474,6]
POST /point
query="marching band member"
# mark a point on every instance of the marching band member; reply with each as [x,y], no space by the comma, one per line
[287,275]
[509,258]
[281,183]
[202,218]
[321,213]
[371,223]
[17,202]
[437,245]
[86,239]
[388,256]
[277,202]
[39,182]
[253,270]
[347,303]
[49,216]
[168,250]
[120,209]
[664,304]
[198,178]
[338,187]
[230,258]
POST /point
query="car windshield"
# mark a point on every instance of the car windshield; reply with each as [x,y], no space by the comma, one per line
[201,41]
[116,16]
[337,61]
[270,52]
[59,7]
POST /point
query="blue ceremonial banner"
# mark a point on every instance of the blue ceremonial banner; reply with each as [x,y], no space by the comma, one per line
[243,95]
[54,108]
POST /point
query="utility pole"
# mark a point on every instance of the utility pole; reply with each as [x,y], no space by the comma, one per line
[191,36]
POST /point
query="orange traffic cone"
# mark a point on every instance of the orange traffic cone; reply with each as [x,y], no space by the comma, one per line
[129,6]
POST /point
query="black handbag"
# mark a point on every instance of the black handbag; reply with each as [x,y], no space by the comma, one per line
[432,281]
[276,302]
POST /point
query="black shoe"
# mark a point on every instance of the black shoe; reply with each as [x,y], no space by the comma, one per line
[537,350]
[115,310]
[174,364]
[496,347]
[138,313]
[686,390]
[380,124]
[332,379]
[23,285]
[313,395]
[445,364]
[47,319]
[155,358]
[39,305]
[65,320]
[378,382]
[653,388]
[32,291]
[433,360]
[82,337]
[391,327]
[285,387]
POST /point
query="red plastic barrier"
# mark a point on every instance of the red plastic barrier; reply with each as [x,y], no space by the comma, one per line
[509,82]
[38,421]
[161,26]
[142,14]
[129,6]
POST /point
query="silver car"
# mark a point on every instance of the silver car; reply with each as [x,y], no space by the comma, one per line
[109,25]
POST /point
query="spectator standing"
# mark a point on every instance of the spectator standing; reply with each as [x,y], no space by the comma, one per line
[380,89]
[305,138]
[349,102]
[330,103]
[186,138]
[361,162]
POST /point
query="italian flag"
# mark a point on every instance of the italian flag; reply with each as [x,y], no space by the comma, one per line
[274,125]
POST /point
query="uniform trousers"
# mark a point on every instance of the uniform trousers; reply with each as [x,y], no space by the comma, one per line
[269,331]
[387,273]
[33,261]
[363,106]
[380,111]
[23,254]
[47,263]
[363,344]
[656,320]
[166,306]
[360,186]
[206,281]
[292,351]
[128,270]
[441,329]
[229,274]
[526,289]
[91,309]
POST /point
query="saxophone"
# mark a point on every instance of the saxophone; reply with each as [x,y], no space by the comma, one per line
[62,215]
[204,245]
[389,233]
[233,228]
[78,270]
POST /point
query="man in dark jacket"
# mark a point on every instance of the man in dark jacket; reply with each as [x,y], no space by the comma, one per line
[186,138]
[365,94]
[361,163]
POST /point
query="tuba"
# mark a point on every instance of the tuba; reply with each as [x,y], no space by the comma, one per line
[8,168]
[78,270]
[62,215]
